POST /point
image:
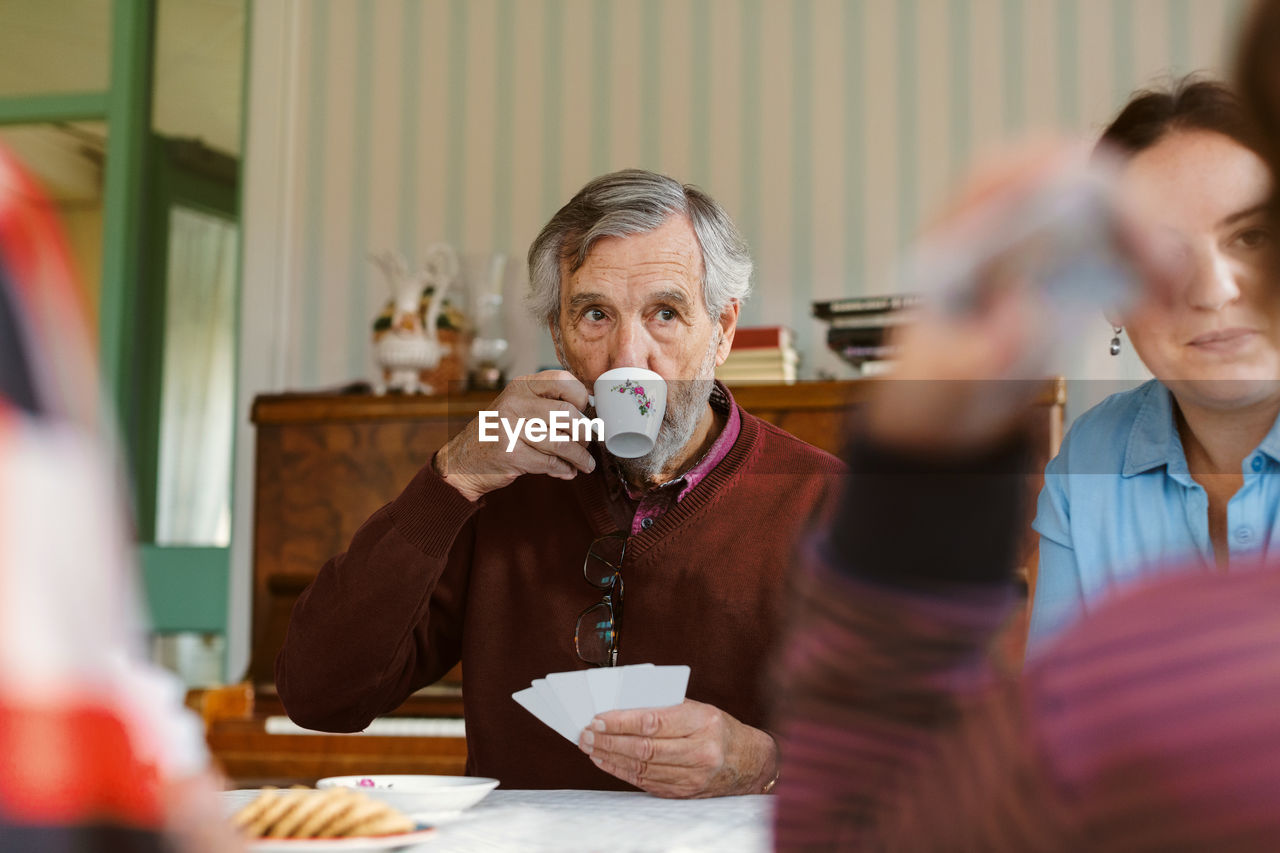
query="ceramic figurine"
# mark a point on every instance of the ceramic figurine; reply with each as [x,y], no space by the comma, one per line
[405,341]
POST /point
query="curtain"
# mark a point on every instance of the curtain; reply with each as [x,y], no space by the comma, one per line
[197,390]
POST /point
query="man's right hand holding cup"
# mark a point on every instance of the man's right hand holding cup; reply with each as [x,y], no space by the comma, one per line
[476,468]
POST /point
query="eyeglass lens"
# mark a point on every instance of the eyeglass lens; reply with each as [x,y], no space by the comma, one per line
[597,634]
[604,560]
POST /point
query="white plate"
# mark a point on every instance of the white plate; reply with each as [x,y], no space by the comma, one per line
[349,845]
[418,795]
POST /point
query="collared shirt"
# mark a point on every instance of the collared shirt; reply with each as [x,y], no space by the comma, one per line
[1119,504]
[638,510]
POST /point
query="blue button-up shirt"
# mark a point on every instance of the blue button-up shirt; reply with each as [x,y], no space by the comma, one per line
[1119,504]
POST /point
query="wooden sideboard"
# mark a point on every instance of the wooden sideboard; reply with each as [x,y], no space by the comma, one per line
[326,462]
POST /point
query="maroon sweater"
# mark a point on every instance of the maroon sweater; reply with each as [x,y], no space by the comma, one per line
[431,579]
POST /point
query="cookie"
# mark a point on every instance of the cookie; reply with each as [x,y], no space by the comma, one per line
[273,813]
[388,822]
[333,803]
[287,826]
[250,812]
[362,809]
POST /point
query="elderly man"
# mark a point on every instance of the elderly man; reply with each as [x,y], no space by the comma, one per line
[481,557]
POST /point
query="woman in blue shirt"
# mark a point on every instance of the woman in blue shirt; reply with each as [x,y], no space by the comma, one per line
[1179,472]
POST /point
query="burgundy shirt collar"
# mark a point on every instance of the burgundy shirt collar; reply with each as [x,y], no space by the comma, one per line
[722,402]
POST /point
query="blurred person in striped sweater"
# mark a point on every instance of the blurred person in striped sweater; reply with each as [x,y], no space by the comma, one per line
[97,752]
[1152,724]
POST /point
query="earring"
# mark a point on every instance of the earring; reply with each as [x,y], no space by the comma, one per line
[1115,341]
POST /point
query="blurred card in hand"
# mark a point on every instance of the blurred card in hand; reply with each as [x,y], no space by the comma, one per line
[566,701]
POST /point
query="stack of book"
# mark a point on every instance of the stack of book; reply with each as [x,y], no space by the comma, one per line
[760,354]
[858,326]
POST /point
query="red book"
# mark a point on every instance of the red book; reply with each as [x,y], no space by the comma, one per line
[762,337]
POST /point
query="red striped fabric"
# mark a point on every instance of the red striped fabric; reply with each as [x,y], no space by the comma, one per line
[1155,725]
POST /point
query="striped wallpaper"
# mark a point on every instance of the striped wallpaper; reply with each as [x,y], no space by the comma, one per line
[828,128]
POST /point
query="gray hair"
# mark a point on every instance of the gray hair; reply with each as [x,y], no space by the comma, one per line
[629,202]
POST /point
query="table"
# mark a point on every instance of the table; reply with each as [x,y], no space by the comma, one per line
[568,821]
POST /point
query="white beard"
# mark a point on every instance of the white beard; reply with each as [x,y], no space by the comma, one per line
[686,401]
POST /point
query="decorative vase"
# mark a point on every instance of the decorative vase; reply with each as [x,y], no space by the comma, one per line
[406,344]
[490,348]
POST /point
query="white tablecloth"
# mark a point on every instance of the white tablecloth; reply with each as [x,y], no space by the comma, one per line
[570,821]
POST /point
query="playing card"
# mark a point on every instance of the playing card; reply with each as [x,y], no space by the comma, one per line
[652,687]
[604,683]
[574,693]
[557,716]
[566,701]
[536,705]
[532,702]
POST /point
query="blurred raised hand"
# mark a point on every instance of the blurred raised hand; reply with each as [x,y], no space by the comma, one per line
[964,378]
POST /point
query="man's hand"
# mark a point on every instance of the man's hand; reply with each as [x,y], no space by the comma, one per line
[476,468]
[688,750]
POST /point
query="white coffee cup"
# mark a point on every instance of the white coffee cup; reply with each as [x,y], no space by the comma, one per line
[631,402]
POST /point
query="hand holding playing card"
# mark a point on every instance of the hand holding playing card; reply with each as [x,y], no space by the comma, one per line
[689,750]
[566,701]
[635,724]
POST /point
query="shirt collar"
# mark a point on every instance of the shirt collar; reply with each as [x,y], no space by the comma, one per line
[722,402]
[1153,438]
[1270,444]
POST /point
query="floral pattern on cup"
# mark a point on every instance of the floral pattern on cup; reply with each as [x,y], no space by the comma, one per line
[642,399]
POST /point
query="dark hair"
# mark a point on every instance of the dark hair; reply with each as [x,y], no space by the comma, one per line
[1258,76]
[1189,104]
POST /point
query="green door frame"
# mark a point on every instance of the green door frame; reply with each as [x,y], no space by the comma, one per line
[126,108]
[180,173]
[186,587]
[37,109]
